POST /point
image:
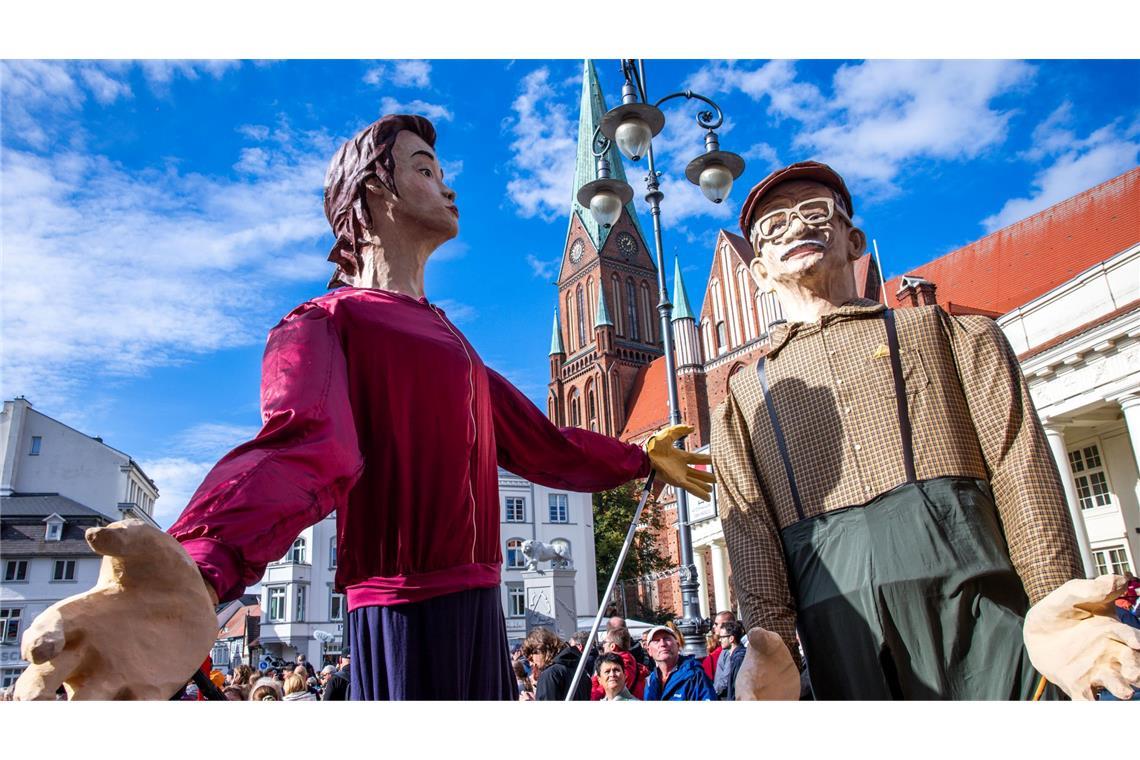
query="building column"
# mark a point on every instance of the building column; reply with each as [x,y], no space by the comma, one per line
[720,576]
[1056,436]
[702,578]
[1131,406]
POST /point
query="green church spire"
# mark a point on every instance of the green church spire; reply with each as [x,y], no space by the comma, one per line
[593,108]
[682,310]
[556,339]
[602,317]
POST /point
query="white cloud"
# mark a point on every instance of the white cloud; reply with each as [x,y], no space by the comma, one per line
[400,74]
[450,251]
[212,440]
[451,170]
[765,154]
[177,478]
[1078,164]
[160,73]
[880,115]
[433,111]
[184,465]
[132,269]
[33,90]
[256,132]
[411,73]
[545,269]
[544,148]
[457,312]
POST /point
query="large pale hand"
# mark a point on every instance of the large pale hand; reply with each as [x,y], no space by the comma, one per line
[138,634]
[1074,639]
[768,671]
[673,465]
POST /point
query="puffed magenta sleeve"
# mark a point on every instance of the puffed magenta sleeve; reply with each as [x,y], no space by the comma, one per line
[299,467]
[531,446]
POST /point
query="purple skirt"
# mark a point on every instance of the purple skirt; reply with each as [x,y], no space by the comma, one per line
[449,647]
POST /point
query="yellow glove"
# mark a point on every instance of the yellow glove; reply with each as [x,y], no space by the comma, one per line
[673,464]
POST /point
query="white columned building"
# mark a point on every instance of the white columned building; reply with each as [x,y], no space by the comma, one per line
[1079,346]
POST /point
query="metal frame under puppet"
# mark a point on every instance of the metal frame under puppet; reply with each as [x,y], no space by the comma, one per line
[375,405]
[886,489]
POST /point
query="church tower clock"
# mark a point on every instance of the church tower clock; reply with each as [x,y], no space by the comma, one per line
[607,325]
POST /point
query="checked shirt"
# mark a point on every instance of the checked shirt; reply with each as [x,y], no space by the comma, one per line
[971,416]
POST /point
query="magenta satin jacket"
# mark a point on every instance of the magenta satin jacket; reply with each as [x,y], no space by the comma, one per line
[375,405]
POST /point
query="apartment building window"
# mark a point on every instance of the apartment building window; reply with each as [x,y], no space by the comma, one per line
[516,509]
[64,570]
[332,553]
[1111,561]
[276,604]
[300,618]
[37,441]
[514,553]
[15,570]
[1089,477]
[54,531]
[336,606]
[9,625]
[559,508]
[516,600]
[297,553]
[9,676]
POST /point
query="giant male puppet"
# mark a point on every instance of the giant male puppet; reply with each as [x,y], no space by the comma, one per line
[375,405]
[887,490]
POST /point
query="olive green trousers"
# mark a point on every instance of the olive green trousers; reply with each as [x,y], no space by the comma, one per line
[911,596]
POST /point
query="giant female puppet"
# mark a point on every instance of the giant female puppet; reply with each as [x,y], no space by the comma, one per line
[886,490]
[375,405]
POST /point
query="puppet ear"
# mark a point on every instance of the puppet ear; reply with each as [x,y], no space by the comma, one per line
[856,243]
[758,272]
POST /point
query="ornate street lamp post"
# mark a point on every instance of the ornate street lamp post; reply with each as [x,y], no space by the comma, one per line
[632,126]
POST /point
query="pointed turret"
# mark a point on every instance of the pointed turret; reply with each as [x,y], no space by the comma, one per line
[686,338]
[602,317]
[556,348]
[593,108]
[681,310]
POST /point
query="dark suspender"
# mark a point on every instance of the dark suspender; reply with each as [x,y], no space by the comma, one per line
[780,443]
[900,395]
[900,399]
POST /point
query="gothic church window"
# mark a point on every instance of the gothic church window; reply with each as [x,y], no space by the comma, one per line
[631,305]
[581,319]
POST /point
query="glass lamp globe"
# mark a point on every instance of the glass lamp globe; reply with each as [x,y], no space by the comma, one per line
[633,136]
[605,208]
[716,182]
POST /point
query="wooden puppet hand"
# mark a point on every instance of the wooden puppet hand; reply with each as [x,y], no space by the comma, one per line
[768,671]
[140,633]
[1074,639]
[673,464]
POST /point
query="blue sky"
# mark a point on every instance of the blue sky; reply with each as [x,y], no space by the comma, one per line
[159,217]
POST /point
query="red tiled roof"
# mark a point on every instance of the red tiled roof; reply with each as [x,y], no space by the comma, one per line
[648,402]
[1018,263]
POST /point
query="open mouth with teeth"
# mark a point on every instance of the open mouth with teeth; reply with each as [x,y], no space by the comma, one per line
[804,248]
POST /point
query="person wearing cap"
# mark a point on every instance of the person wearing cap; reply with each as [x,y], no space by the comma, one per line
[375,405]
[884,481]
[677,677]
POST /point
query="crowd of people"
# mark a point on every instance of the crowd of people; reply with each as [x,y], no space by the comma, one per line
[652,669]
[293,682]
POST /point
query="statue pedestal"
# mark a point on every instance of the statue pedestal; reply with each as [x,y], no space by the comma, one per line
[550,600]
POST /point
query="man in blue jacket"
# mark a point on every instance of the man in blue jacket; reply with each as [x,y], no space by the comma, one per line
[677,677]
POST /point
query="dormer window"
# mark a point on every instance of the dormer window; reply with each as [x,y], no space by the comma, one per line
[54,531]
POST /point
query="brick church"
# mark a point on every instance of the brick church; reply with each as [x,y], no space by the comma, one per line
[607,364]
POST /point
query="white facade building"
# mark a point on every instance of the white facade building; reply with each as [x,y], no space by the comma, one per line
[1080,350]
[297,597]
[56,482]
[531,511]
